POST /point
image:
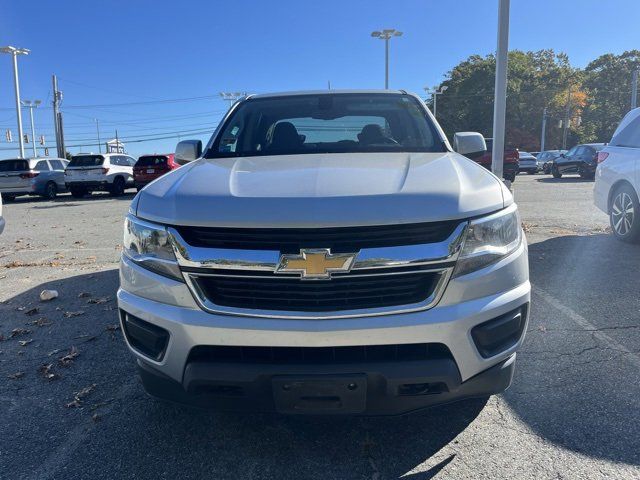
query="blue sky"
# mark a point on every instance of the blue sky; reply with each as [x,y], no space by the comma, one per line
[116,54]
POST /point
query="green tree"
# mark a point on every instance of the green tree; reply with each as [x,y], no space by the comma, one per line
[535,80]
[607,80]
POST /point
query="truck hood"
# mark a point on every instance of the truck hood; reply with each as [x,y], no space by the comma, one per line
[316,190]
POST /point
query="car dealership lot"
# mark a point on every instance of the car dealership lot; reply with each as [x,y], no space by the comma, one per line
[573,410]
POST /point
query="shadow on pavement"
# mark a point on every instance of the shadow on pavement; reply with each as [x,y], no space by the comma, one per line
[64,199]
[577,379]
[135,433]
[571,388]
[564,179]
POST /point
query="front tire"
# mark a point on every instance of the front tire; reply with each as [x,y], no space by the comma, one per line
[556,173]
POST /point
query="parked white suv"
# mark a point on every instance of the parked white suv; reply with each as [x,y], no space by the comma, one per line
[112,172]
[329,253]
[617,186]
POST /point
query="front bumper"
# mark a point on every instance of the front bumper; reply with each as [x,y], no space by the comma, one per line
[468,301]
[371,389]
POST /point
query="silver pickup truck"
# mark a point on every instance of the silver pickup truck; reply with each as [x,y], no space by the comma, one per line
[325,253]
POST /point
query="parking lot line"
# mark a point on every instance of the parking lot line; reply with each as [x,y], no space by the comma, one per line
[597,332]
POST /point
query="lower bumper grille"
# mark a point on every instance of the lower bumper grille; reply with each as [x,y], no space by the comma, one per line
[349,292]
[320,355]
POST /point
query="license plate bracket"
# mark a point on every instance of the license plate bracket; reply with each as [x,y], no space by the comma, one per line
[320,394]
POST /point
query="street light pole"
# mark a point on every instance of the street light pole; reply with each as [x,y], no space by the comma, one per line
[434,94]
[634,89]
[386,36]
[544,129]
[15,52]
[31,105]
[232,97]
[500,100]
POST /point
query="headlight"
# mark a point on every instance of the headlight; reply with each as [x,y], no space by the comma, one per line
[150,246]
[489,239]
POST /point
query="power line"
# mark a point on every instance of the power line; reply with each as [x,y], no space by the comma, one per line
[142,140]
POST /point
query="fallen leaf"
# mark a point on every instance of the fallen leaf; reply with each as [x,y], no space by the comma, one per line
[53,352]
[68,359]
[78,396]
[113,328]
[32,311]
[24,343]
[15,376]
[98,301]
[84,294]
[40,322]
[46,371]
[16,332]
[73,314]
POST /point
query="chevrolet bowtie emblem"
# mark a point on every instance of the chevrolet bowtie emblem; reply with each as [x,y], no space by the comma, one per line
[316,263]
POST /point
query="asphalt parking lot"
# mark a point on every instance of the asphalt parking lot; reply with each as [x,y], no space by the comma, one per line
[72,406]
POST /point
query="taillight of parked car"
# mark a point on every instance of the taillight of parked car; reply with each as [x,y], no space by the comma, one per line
[29,175]
[105,170]
[602,156]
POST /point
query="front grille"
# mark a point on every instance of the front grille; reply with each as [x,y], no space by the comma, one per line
[347,292]
[320,355]
[338,239]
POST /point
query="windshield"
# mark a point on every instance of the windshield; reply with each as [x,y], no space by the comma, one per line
[86,161]
[16,165]
[326,123]
[151,160]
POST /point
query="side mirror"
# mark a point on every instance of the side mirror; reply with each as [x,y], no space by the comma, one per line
[188,150]
[466,143]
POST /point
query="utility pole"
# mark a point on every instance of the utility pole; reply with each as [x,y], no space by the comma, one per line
[544,129]
[634,89]
[98,129]
[565,123]
[31,105]
[386,36]
[14,52]
[500,99]
[57,119]
[61,130]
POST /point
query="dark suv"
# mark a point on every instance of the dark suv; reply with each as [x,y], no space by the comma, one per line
[581,159]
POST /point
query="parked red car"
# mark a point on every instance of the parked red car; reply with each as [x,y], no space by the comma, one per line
[510,163]
[150,167]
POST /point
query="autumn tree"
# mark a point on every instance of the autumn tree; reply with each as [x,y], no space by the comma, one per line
[535,80]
